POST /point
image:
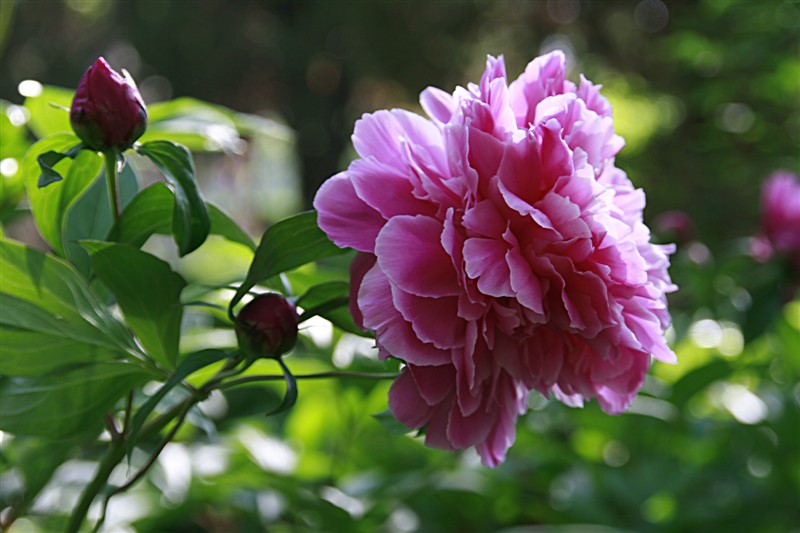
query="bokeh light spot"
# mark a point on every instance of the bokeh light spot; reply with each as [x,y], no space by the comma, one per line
[30,88]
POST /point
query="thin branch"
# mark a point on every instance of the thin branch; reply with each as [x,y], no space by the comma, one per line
[112,426]
[186,407]
[318,375]
[126,423]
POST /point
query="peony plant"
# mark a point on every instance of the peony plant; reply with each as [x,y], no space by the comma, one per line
[499,252]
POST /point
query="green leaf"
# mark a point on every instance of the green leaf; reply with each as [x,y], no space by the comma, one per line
[191,364]
[45,118]
[151,212]
[198,125]
[224,226]
[764,311]
[147,291]
[394,426]
[51,205]
[285,245]
[43,293]
[290,396]
[329,294]
[697,380]
[34,353]
[37,459]
[65,405]
[46,162]
[190,219]
[49,159]
[329,300]
[90,218]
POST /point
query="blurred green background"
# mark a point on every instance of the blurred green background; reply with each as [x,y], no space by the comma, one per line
[707,95]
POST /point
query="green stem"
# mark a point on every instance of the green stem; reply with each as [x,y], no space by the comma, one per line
[185,407]
[111,184]
[114,455]
[318,375]
[117,449]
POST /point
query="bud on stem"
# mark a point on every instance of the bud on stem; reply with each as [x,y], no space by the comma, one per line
[107,110]
[267,326]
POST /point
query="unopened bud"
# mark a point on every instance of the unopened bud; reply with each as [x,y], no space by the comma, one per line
[267,326]
[107,110]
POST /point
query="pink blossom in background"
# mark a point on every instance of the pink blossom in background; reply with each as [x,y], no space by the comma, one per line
[780,212]
[501,252]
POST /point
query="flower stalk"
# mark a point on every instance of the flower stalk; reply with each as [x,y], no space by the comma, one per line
[111,184]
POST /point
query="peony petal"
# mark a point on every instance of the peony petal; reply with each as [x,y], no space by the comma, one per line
[438,104]
[410,252]
[485,152]
[436,430]
[434,383]
[543,77]
[526,286]
[485,220]
[521,173]
[465,431]
[434,320]
[555,155]
[395,335]
[485,261]
[406,403]
[493,450]
[386,189]
[348,221]
[383,134]
[361,264]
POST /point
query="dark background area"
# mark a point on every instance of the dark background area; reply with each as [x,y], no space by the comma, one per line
[711,89]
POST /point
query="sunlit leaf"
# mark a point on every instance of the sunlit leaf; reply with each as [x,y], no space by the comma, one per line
[224,226]
[35,353]
[47,113]
[65,405]
[198,125]
[147,291]
[190,219]
[90,218]
[330,301]
[43,293]
[388,421]
[697,380]
[151,213]
[51,205]
[286,245]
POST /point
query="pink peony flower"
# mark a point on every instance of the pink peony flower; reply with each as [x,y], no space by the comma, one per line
[780,212]
[501,252]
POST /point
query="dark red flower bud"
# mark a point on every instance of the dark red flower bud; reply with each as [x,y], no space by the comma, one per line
[107,110]
[267,326]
